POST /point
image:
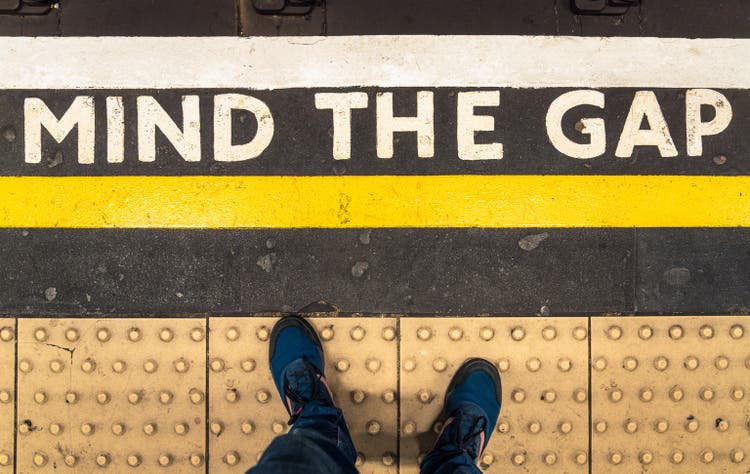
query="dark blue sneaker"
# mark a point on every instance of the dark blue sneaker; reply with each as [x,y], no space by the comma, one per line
[297,365]
[472,405]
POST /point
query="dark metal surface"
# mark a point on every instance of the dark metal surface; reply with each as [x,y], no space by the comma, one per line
[26,7]
[31,25]
[252,23]
[602,7]
[148,18]
[686,18]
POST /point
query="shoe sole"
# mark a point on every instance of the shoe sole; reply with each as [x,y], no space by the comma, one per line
[294,320]
[472,365]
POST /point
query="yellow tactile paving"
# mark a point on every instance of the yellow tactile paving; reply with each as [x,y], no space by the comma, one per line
[245,410]
[543,364]
[670,394]
[129,395]
[114,393]
[7,393]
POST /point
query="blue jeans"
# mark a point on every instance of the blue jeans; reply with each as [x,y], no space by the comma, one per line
[319,443]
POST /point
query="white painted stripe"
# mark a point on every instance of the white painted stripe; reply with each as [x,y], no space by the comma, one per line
[384,61]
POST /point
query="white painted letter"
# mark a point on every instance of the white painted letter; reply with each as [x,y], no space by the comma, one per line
[423,124]
[223,148]
[38,115]
[151,115]
[645,105]
[341,104]
[589,126]
[468,123]
[115,130]
[696,129]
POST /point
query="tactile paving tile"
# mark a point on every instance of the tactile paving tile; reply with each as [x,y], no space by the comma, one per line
[246,412]
[670,394]
[7,394]
[111,393]
[543,424]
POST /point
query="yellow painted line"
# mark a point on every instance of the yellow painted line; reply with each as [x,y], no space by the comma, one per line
[374,201]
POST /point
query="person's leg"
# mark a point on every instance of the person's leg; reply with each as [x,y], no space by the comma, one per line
[472,405]
[319,441]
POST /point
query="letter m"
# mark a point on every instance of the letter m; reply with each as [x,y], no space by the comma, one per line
[38,115]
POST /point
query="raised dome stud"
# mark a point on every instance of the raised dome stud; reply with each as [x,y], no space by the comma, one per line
[661,425]
[135,334]
[580,333]
[166,334]
[455,333]
[196,460]
[676,332]
[439,364]
[39,459]
[327,333]
[736,331]
[72,334]
[165,460]
[150,429]
[388,333]
[357,333]
[103,459]
[517,333]
[706,331]
[231,458]
[645,332]
[262,333]
[614,332]
[41,334]
[486,333]
[615,457]
[232,334]
[707,456]
[7,334]
[646,457]
[424,333]
[103,334]
[518,458]
[217,364]
[197,334]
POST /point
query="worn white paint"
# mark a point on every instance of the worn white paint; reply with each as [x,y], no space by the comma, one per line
[697,129]
[79,115]
[384,61]
[341,103]
[467,123]
[224,150]
[115,130]
[151,115]
[594,127]
[645,105]
[423,123]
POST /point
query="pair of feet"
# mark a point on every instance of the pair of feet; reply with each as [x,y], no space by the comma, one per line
[472,400]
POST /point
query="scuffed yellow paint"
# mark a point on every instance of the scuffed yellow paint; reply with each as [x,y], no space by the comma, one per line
[374,201]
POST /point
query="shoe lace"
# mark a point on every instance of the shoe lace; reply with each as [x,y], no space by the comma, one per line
[301,386]
[465,439]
